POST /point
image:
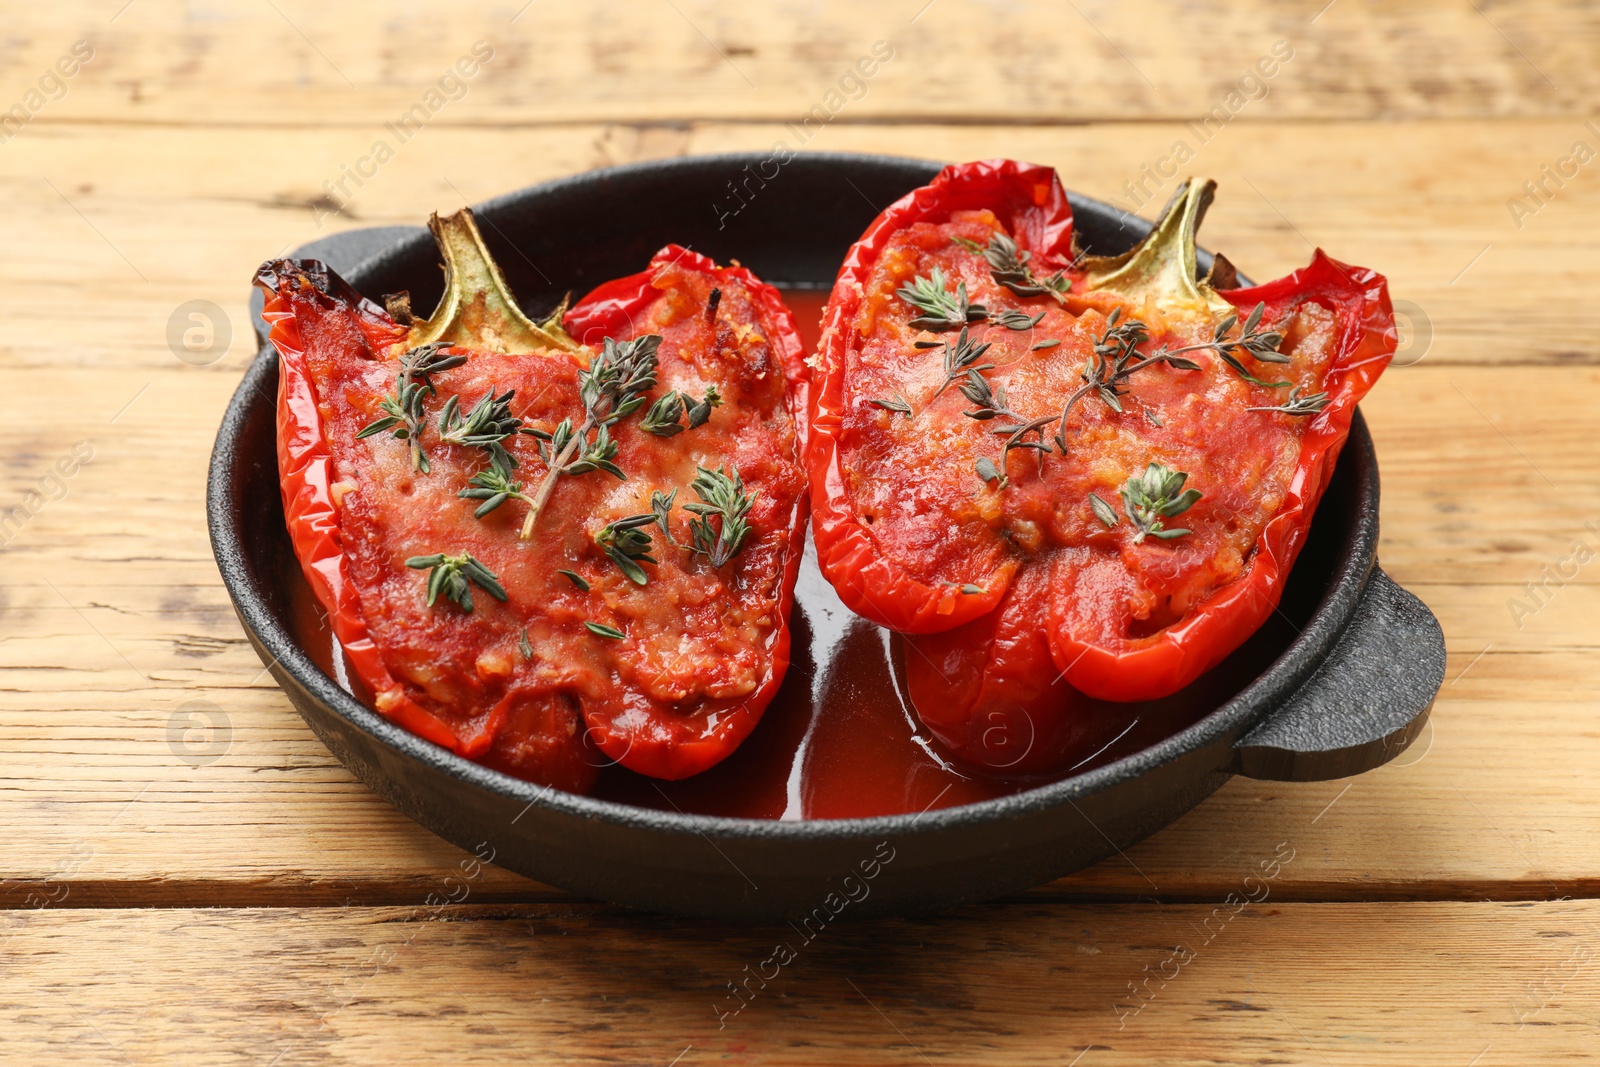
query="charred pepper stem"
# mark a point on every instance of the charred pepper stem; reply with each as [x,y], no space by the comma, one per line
[477,309]
[1162,266]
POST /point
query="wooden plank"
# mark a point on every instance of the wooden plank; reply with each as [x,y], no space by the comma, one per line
[1217,983]
[97,208]
[302,63]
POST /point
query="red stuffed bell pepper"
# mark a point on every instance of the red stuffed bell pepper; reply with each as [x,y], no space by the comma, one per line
[1070,477]
[529,547]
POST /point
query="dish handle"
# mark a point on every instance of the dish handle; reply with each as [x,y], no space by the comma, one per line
[1364,705]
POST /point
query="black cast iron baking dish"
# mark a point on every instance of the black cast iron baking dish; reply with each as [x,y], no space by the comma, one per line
[1349,690]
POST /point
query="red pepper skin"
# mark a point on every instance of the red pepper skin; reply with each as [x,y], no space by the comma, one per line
[1030,201]
[1010,661]
[1150,668]
[619,309]
[529,740]
[305,470]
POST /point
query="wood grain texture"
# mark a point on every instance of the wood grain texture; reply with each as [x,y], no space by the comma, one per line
[296,62]
[95,208]
[1364,985]
[237,897]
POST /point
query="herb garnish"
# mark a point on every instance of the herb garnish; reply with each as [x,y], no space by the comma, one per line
[1116,358]
[486,426]
[1016,320]
[412,387]
[601,630]
[664,419]
[628,545]
[941,309]
[896,403]
[1008,265]
[724,496]
[1299,403]
[1156,494]
[494,485]
[454,576]
[1262,344]
[612,387]
[959,359]
[1103,511]
[990,473]
[576,579]
[524,645]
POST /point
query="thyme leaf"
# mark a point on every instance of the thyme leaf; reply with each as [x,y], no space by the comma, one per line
[661,508]
[524,645]
[990,473]
[602,630]
[576,579]
[403,407]
[966,587]
[1103,511]
[1016,320]
[896,403]
[940,308]
[454,576]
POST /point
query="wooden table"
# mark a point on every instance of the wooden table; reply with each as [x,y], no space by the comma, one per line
[191,877]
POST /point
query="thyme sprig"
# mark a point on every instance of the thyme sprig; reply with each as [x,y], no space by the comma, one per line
[1252,341]
[494,485]
[1299,403]
[1116,359]
[485,426]
[612,387]
[1008,265]
[722,495]
[404,406]
[666,416]
[1155,495]
[940,308]
[626,543]
[960,359]
[454,576]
